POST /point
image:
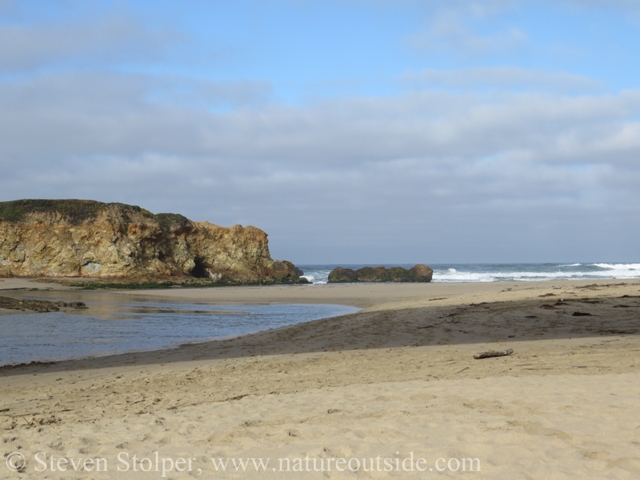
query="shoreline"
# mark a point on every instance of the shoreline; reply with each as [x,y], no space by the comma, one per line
[361,295]
[367,297]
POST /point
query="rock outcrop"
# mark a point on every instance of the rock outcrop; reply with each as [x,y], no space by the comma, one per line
[418,273]
[38,305]
[84,238]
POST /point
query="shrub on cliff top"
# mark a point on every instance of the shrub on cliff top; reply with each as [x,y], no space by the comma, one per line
[168,220]
[75,211]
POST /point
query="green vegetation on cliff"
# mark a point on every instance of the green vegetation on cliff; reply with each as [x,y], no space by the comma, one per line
[74,211]
[168,220]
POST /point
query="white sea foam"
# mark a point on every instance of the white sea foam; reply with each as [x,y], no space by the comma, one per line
[494,273]
[317,275]
[500,276]
[619,266]
[320,280]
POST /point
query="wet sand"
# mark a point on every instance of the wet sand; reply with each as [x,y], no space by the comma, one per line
[398,376]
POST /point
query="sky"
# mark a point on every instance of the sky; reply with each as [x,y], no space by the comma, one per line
[351,131]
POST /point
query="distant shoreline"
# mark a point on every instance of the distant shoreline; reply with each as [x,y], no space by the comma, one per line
[361,295]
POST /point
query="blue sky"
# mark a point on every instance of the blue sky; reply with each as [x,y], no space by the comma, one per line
[351,131]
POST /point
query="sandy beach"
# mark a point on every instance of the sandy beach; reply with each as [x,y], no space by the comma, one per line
[392,390]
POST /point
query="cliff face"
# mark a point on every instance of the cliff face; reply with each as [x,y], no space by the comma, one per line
[80,238]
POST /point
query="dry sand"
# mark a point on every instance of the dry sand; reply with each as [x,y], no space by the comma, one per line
[394,380]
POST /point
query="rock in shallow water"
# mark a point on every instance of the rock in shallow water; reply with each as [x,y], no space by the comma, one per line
[38,305]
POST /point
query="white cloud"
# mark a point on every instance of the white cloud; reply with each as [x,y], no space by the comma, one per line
[85,114]
[348,180]
[500,77]
[450,32]
[29,46]
[187,91]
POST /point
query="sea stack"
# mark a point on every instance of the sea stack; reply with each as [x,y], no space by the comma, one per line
[418,273]
[85,238]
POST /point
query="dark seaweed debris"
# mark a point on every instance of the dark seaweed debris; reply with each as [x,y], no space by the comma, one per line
[38,305]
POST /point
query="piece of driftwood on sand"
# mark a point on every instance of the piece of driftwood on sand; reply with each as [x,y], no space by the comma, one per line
[493,353]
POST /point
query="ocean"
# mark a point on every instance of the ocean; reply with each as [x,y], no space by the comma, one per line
[499,272]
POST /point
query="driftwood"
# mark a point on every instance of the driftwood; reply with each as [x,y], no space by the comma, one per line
[503,353]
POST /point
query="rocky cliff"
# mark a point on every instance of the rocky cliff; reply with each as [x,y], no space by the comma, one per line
[418,273]
[83,238]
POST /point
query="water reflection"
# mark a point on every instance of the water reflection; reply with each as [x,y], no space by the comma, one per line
[110,327]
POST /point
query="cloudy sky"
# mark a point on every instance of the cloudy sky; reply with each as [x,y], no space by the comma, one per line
[351,131]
